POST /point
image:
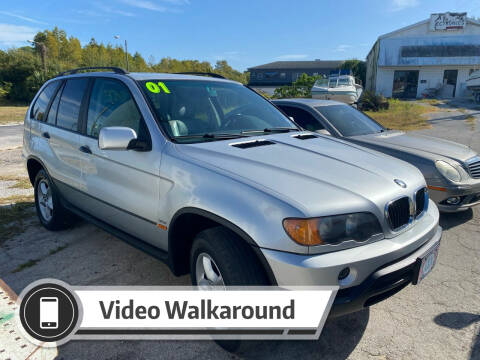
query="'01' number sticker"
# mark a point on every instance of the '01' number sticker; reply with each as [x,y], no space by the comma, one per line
[156,88]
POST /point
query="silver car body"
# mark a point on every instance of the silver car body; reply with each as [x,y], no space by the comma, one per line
[251,190]
[420,151]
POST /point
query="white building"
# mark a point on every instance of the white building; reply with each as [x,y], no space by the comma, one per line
[438,53]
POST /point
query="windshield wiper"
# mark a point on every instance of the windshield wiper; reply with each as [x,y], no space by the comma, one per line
[271,130]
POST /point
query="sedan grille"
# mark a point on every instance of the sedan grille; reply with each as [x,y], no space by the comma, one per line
[420,201]
[474,169]
[398,213]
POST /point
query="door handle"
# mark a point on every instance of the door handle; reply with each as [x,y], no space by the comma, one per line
[85,149]
[46,135]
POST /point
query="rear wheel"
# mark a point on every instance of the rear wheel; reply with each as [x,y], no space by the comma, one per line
[50,211]
[219,257]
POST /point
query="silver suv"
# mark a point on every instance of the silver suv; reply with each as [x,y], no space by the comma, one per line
[210,177]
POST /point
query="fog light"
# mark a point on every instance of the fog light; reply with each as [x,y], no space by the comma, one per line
[454,200]
[344,273]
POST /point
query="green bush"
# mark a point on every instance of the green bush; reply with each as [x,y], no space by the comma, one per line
[301,88]
[370,102]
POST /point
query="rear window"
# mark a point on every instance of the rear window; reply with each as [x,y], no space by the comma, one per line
[40,107]
[69,107]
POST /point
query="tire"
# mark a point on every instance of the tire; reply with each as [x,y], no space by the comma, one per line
[50,211]
[234,261]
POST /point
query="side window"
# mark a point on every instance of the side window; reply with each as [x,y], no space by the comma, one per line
[303,118]
[69,107]
[38,110]
[111,104]
[52,113]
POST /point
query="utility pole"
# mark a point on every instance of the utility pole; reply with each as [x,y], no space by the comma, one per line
[126,53]
[126,50]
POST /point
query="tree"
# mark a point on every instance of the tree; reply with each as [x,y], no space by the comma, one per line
[301,88]
[358,68]
[21,72]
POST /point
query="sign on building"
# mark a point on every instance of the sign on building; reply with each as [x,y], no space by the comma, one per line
[448,21]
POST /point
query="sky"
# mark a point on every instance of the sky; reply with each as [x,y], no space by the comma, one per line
[245,33]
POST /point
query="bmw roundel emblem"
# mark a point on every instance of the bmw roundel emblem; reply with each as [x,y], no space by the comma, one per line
[400,183]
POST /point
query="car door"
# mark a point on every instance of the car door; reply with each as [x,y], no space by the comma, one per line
[60,131]
[122,186]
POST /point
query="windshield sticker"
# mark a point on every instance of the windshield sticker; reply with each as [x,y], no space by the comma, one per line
[155,88]
[164,87]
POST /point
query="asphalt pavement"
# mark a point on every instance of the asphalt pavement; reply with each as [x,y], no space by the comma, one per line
[437,319]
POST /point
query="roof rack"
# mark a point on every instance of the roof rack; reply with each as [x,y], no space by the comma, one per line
[201,73]
[116,70]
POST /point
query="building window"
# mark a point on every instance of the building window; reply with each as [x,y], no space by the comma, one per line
[440,51]
[270,75]
[259,76]
[283,75]
[405,84]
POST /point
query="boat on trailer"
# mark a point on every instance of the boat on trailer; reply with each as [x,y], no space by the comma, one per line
[338,87]
[473,84]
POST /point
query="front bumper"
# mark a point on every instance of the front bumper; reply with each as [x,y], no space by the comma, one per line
[468,193]
[382,284]
[364,263]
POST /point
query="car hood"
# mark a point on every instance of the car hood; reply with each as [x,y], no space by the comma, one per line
[425,146]
[319,176]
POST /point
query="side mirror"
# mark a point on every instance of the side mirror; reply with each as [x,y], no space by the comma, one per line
[116,138]
[324,132]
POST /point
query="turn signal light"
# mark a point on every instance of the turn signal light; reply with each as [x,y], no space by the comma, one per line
[303,231]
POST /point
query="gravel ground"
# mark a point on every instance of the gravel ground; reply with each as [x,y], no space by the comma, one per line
[438,319]
[7,189]
[11,136]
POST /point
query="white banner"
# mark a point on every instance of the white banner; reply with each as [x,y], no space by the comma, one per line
[200,309]
[52,312]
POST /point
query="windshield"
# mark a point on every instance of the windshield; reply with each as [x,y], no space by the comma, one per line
[196,110]
[349,121]
[343,81]
[321,83]
[332,82]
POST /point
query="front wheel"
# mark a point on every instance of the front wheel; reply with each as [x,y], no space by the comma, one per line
[50,211]
[220,258]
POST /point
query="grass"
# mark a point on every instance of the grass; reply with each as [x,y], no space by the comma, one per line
[432,101]
[12,113]
[16,199]
[403,115]
[20,182]
[12,218]
[33,262]
[59,248]
[25,265]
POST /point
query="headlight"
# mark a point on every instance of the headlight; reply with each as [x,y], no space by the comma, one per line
[332,230]
[448,170]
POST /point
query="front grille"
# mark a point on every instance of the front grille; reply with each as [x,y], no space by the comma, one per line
[420,201]
[474,169]
[398,213]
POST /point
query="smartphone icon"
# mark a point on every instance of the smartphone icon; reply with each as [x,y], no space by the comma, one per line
[48,313]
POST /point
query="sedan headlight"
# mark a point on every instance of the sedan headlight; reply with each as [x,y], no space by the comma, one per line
[448,170]
[332,230]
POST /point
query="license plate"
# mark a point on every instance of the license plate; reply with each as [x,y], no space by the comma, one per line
[426,263]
